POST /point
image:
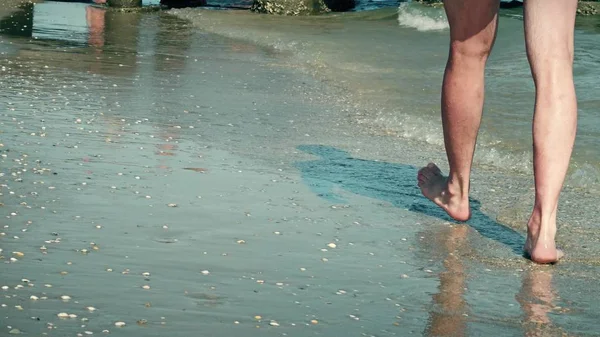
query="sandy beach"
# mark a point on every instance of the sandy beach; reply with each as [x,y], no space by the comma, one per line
[175,181]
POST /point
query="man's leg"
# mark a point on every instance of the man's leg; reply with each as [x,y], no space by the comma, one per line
[549,29]
[473,26]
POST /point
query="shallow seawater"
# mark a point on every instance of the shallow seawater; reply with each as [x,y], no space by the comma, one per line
[179,180]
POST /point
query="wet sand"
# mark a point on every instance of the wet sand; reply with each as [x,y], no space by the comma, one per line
[201,185]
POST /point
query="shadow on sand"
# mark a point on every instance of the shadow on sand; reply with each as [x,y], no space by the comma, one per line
[394,183]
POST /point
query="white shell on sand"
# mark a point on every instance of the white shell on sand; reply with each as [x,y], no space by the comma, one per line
[205,272]
[65,297]
[91,309]
[331,245]
[146,274]
[146,287]
[34,298]
[63,315]
[273,323]
[120,324]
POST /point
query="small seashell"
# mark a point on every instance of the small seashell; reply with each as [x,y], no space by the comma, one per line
[205,272]
[72,316]
[146,287]
[65,297]
[331,245]
[258,317]
[90,309]
[34,298]
[63,315]
[241,242]
[314,321]
[120,324]
[18,254]
[273,323]
[172,205]
[15,332]
[146,274]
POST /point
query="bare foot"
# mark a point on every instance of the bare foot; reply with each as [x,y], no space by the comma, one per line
[541,248]
[434,187]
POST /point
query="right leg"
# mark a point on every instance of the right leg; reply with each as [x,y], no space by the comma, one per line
[549,30]
[473,26]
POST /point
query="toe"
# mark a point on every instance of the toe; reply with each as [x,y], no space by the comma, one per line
[427,172]
[434,169]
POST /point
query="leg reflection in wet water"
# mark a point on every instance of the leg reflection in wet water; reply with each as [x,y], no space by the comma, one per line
[448,316]
[536,299]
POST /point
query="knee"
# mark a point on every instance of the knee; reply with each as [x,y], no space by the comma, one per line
[473,50]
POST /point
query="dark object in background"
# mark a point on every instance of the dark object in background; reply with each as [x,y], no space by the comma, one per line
[511,4]
[340,5]
[182,3]
[124,3]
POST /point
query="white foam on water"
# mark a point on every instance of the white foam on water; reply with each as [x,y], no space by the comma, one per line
[430,20]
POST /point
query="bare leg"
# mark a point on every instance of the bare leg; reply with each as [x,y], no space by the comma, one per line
[473,26]
[549,30]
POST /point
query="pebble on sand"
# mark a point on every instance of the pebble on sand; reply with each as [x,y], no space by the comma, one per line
[63,315]
[65,297]
[120,324]
[241,242]
[90,309]
[18,254]
[205,272]
[15,332]
[331,245]
[146,287]
[273,323]
[314,321]
[34,298]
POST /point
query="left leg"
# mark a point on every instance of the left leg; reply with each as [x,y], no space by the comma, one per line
[473,27]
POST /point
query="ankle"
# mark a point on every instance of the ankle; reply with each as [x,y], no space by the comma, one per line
[458,188]
[542,220]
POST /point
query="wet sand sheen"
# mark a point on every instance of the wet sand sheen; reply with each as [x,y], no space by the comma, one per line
[181,194]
